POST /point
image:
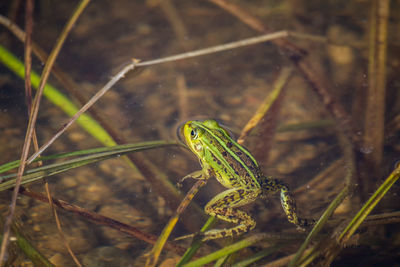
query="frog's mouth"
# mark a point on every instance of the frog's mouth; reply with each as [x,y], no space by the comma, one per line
[179,133]
[183,133]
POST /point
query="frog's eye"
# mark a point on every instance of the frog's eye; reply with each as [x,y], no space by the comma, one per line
[194,134]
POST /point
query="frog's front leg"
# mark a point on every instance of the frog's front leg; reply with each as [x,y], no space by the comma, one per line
[223,207]
[194,175]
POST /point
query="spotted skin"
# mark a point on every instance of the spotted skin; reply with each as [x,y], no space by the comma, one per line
[236,169]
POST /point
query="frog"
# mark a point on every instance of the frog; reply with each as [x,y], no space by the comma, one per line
[236,169]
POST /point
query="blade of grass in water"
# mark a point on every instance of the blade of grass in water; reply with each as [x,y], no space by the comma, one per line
[227,250]
[30,251]
[94,155]
[335,245]
[162,239]
[258,256]
[371,203]
[136,146]
[196,243]
[57,98]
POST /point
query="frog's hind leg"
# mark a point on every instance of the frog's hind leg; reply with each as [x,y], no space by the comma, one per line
[222,206]
[287,201]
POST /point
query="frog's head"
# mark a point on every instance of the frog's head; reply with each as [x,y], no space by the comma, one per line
[193,132]
[197,134]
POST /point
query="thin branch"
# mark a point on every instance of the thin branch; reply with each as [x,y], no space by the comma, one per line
[59,228]
[93,100]
[103,220]
[218,48]
[289,48]
[379,219]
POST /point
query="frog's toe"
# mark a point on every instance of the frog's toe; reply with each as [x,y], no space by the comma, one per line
[305,223]
[184,237]
[300,228]
[195,236]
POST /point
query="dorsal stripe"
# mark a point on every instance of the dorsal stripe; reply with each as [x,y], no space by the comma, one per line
[231,153]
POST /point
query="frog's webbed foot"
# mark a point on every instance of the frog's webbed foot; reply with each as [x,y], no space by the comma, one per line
[304,223]
[288,203]
[194,175]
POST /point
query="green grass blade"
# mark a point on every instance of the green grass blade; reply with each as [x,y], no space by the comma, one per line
[196,244]
[226,251]
[8,181]
[57,98]
[29,250]
[371,203]
[258,256]
[318,226]
[137,146]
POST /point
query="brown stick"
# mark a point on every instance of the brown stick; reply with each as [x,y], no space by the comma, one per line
[102,220]
[375,107]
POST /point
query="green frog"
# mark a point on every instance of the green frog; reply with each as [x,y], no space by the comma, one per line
[236,169]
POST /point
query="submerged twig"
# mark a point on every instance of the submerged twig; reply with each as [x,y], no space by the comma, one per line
[59,227]
[256,24]
[267,104]
[379,219]
[103,220]
[217,48]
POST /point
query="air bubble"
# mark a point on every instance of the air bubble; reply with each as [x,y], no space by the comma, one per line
[366,149]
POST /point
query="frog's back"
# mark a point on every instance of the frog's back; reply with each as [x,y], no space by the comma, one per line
[233,165]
